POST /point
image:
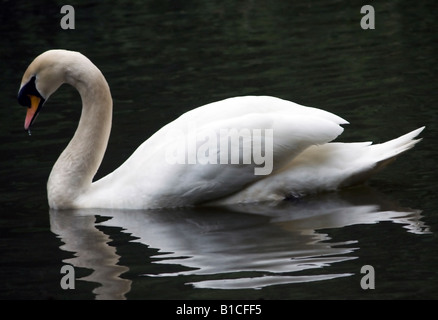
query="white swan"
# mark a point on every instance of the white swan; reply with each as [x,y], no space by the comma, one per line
[176,166]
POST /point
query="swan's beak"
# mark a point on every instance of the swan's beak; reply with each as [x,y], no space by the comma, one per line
[32,110]
[29,96]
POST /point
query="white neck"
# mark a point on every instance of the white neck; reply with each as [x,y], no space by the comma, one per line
[75,168]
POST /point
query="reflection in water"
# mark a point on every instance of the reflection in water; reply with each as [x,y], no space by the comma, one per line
[80,235]
[243,246]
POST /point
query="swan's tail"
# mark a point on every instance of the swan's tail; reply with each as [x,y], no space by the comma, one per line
[391,149]
[325,167]
[379,156]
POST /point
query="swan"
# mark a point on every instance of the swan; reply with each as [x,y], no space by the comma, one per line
[197,159]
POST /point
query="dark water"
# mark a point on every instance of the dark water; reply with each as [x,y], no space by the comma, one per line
[162,58]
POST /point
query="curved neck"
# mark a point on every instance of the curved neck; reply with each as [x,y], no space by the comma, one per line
[75,168]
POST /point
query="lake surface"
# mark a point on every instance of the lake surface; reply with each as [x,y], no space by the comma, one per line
[163,58]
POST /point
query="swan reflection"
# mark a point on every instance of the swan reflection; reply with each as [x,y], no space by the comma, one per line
[242,246]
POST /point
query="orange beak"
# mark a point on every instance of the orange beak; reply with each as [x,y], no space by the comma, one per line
[32,111]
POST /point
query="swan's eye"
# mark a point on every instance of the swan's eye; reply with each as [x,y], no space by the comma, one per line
[29,89]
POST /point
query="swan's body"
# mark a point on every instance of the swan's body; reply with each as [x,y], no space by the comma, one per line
[303,160]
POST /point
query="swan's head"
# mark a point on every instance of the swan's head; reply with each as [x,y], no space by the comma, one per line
[42,78]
